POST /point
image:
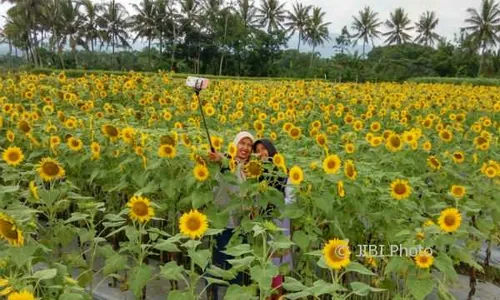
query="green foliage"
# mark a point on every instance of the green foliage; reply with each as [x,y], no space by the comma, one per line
[455,80]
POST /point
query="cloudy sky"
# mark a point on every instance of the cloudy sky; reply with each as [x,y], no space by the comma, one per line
[451,13]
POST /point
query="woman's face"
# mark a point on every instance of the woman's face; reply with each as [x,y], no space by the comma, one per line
[244,148]
[262,151]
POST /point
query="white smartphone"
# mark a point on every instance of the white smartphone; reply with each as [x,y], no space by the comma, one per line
[197,82]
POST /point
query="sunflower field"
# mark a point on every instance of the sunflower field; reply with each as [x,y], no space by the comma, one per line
[107,178]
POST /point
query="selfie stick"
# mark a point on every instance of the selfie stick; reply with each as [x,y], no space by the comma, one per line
[197,89]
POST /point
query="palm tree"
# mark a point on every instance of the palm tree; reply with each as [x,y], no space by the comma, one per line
[484,27]
[247,12]
[316,30]
[144,23]
[425,28]
[366,27]
[114,24]
[70,27]
[90,16]
[191,19]
[298,20]
[399,25]
[272,14]
[30,10]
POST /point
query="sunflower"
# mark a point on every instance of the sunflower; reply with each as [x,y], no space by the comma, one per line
[349,148]
[216,142]
[458,191]
[458,157]
[6,291]
[450,219]
[24,126]
[23,295]
[54,141]
[168,140]
[193,224]
[321,139]
[279,160]
[295,132]
[393,142]
[331,164]
[375,126]
[424,259]
[296,175]
[340,189]
[350,170]
[337,254]
[95,148]
[128,135]
[258,125]
[140,209]
[433,163]
[253,169]
[427,146]
[400,189]
[200,172]
[490,169]
[231,149]
[34,190]
[446,135]
[10,232]
[167,151]
[110,131]
[10,136]
[75,144]
[49,169]
[13,156]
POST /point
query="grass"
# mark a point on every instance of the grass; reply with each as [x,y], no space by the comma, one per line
[456,80]
[79,73]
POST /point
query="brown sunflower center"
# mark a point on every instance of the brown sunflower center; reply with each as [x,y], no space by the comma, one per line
[13,156]
[296,176]
[167,140]
[140,209]
[445,135]
[7,230]
[400,189]
[201,173]
[321,140]
[395,141]
[423,259]
[294,132]
[331,164]
[458,191]
[449,220]
[434,162]
[193,224]
[337,253]
[50,168]
[111,131]
[350,170]
[167,150]
[24,126]
[254,168]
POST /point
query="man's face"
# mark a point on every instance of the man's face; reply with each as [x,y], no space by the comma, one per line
[244,148]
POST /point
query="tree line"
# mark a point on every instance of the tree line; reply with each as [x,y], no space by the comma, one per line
[236,37]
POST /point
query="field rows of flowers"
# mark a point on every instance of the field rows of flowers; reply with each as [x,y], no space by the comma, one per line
[115,169]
